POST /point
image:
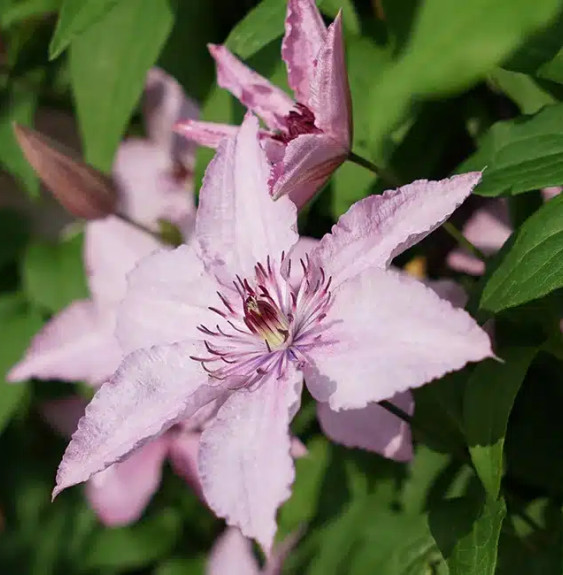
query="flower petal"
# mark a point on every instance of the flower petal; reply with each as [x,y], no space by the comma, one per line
[150,188]
[168,297]
[165,104]
[308,162]
[253,90]
[245,463]
[184,449]
[488,228]
[207,134]
[120,493]
[112,248]
[305,33]
[372,427]
[331,101]
[77,344]
[238,224]
[152,390]
[388,333]
[63,414]
[232,555]
[378,228]
[299,251]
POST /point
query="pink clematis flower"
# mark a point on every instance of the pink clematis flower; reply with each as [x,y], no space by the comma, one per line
[220,320]
[154,180]
[487,229]
[232,555]
[305,141]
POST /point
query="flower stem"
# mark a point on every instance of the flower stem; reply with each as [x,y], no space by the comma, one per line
[137,225]
[463,241]
[383,174]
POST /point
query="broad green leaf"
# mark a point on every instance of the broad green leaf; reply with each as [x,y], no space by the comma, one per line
[531,265]
[259,27]
[265,23]
[467,534]
[542,54]
[13,235]
[17,104]
[19,325]
[310,470]
[523,90]
[463,41]
[74,18]
[521,154]
[489,396]
[53,274]
[136,545]
[108,65]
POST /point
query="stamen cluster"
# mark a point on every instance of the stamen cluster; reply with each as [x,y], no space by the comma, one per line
[266,322]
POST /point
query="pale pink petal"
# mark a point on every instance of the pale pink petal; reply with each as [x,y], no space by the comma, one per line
[372,427]
[549,193]
[376,229]
[305,33]
[63,414]
[274,563]
[461,261]
[164,105]
[331,101]
[253,90]
[298,253]
[488,228]
[120,493]
[298,449]
[168,297]
[150,187]
[112,248]
[238,224]
[245,463]
[207,134]
[152,390]
[308,162]
[388,333]
[449,290]
[76,344]
[183,454]
[232,555]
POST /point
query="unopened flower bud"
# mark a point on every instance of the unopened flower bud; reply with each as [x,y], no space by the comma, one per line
[82,190]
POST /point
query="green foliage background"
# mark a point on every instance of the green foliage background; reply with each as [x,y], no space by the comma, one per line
[438,86]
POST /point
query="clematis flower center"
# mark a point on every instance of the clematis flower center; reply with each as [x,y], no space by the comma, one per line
[300,120]
[266,322]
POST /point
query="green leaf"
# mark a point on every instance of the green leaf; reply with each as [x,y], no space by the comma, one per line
[521,154]
[182,566]
[135,546]
[265,23]
[542,54]
[17,105]
[523,90]
[531,264]
[108,65]
[19,325]
[463,41]
[489,396]
[53,274]
[74,18]
[259,27]
[467,534]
